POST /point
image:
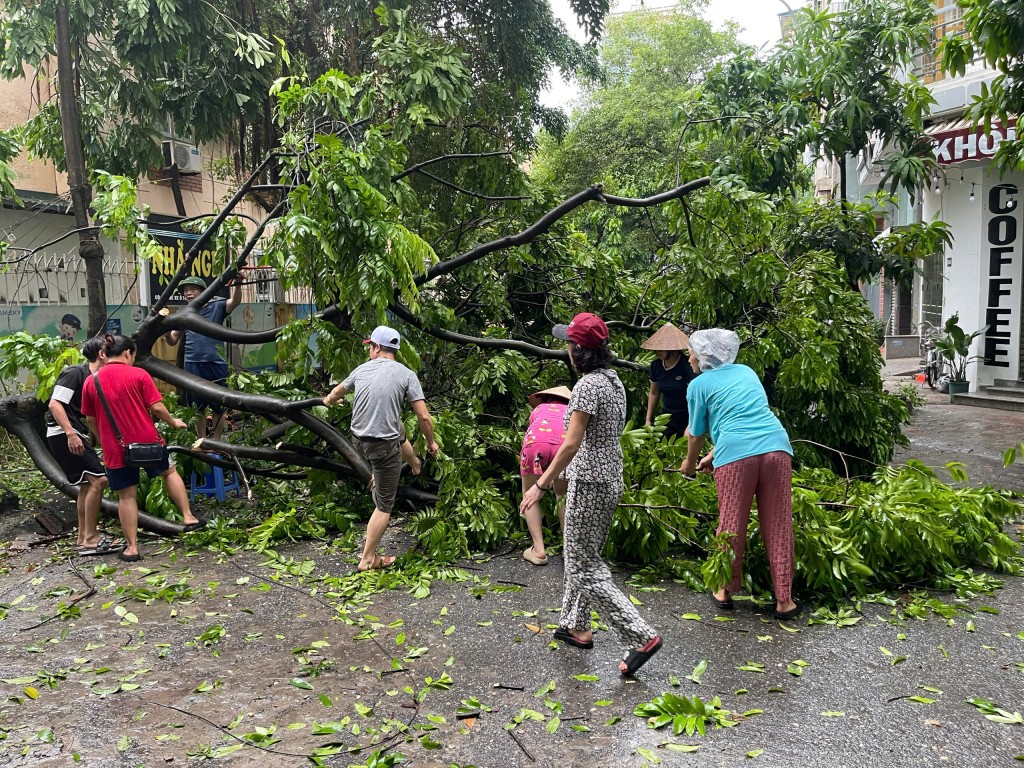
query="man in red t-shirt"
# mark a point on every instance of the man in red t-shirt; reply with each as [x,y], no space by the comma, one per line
[133,400]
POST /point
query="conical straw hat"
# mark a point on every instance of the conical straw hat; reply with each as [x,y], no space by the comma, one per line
[668,338]
[563,392]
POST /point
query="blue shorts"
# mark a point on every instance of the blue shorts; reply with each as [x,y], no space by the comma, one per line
[216,372]
[126,477]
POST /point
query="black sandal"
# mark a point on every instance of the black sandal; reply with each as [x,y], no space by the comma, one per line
[792,613]
[722,605]
[563,634]
[637,657]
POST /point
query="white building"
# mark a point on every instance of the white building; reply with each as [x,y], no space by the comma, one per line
[982,270]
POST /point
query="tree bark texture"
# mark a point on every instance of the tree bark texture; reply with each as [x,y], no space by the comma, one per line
[89,248]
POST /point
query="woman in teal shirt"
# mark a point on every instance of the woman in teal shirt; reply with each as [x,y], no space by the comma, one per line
[752,457]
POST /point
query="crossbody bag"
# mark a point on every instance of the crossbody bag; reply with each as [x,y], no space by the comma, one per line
[139,455]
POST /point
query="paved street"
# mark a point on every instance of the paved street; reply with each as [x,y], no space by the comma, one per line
[230,645]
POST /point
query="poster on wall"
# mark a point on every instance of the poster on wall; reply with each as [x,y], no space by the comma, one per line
[1001,282]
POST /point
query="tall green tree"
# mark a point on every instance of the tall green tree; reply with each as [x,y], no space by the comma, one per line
[756,253]
[995,34]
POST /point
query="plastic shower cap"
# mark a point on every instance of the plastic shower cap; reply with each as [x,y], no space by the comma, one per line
[714,347]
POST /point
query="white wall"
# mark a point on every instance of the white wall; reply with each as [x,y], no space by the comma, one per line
[983,268]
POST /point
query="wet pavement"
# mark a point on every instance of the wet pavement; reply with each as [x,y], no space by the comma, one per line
[249,648]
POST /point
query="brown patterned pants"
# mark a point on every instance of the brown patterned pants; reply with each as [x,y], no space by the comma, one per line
[769,477]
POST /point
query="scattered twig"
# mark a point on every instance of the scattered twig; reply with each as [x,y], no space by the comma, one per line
[503,687]
[91,590]
[521,745]
[224,730]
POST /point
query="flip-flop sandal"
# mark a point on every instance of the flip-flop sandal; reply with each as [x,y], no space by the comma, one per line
[637,657]
[379,564]
[106,546]
[197,526]
[724,605]
[530,557]
[567,637]
[129,558]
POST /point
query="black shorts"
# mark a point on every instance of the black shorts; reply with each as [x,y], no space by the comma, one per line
[77,468]
[215,373]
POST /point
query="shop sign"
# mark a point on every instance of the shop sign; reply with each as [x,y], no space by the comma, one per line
[174,246]
[969,143]
[1001,276]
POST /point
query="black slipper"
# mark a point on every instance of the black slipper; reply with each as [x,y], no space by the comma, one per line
[636,658]
[129,558]
[724,605]
[563,634]
[790,614]
[197,526]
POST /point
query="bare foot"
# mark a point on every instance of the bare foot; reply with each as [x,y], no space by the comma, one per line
[378,563]
[785,607]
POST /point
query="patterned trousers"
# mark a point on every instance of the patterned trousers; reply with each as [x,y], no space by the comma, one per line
[589,508]
[769,477]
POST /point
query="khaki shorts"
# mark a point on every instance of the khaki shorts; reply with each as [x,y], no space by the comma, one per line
[385,457]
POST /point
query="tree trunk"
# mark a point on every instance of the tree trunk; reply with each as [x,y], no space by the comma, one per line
[89,247]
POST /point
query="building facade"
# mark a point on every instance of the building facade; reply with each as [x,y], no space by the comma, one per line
[42,290]
[980,274]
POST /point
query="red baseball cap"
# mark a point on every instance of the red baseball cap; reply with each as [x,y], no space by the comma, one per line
[586,329]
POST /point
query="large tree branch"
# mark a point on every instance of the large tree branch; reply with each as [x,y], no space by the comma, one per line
[204,238]
[188,319]
[463,190]
[544,223]
[484,342]
[264,453]
[463,156]
[259,404]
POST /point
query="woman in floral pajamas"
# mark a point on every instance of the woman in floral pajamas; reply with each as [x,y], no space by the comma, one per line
[592,459]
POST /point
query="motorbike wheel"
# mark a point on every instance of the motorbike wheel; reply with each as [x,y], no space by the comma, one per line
[931,374]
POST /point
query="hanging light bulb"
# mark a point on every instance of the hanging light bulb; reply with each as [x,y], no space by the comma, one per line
[938,189]
[970,198]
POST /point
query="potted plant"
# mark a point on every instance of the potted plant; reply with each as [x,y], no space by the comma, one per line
[955,347]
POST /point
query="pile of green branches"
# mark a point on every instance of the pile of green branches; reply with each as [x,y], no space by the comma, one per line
[900,527]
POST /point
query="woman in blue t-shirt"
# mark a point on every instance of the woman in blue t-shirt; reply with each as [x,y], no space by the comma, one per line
[751,457]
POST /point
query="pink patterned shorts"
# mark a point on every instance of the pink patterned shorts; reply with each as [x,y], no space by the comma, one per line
[536,457]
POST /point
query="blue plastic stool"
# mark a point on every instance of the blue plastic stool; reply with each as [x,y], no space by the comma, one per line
[214,483]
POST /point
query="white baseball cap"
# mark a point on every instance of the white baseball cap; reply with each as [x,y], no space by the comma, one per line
[384,337]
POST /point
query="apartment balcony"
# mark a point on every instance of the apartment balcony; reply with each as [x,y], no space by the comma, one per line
[951,93]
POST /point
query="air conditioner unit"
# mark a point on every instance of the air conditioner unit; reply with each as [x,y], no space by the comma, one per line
[187,157]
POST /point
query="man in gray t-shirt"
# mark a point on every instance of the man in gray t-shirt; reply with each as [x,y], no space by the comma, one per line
[380,387]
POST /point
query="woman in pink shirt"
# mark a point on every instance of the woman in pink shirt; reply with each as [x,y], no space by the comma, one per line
[544,436]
